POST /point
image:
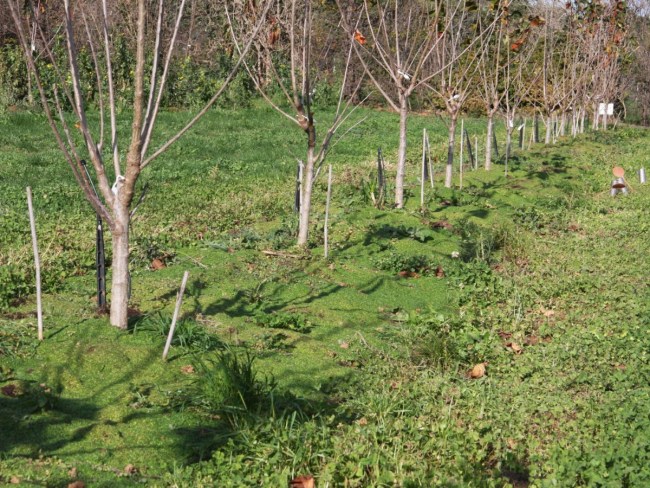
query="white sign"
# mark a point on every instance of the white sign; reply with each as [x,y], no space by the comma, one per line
[606,109]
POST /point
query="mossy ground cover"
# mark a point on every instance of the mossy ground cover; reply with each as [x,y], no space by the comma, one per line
[353,368]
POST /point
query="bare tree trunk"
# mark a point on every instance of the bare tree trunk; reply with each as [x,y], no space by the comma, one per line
[401,152]
[488,142]
[450,151]
[307,184]
[549,129]
[120,267]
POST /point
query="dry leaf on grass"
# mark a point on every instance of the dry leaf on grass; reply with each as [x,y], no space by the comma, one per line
[10,390]
[344,345]
[15,480]
[302,482]
[129,469]
[440,273]
[478,371]
[188,369]
[547,312]
[72,472]
[77,484]
[514,347]
[157,264]
[408,274]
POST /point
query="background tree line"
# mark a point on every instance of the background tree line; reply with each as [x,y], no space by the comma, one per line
[588,51]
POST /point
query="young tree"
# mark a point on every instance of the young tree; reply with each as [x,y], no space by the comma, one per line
[396,41]
[295,20]
[456,60]
[520,74]
[129,157]
[490,69]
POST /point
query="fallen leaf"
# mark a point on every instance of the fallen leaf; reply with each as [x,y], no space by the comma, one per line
[408,274]
[332,266]
[344,345]
[129,469]
[359,37]
[478,371]
[531,340]
[512,444]
[9,390]
[306,481]
[547,312]
[514,347]
[15,480]
[77,484]
[362,421]
[72,472]
[442,224]
[157,264]
[505,335]
[188,369]
[440,273]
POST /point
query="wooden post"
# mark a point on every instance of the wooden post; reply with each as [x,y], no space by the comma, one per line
[179,301]
[430,161]
[327,211]
[297,200]
[494,142]
[462,139]
[37,264]
[423,173]
[381,178]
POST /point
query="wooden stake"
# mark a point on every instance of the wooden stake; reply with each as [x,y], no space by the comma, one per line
[327,210]
[179,301]
[430,161]
[423,174]
[37,264]
[462,139]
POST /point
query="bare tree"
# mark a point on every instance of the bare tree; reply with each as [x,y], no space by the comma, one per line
[490,69]
[295,18]
[520,75]
[456,60]
[396,41]
[129,157]
[506,74]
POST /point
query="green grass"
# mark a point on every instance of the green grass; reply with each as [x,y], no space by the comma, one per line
[291,364]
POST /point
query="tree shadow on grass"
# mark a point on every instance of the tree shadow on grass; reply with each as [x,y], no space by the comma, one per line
[556,165]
